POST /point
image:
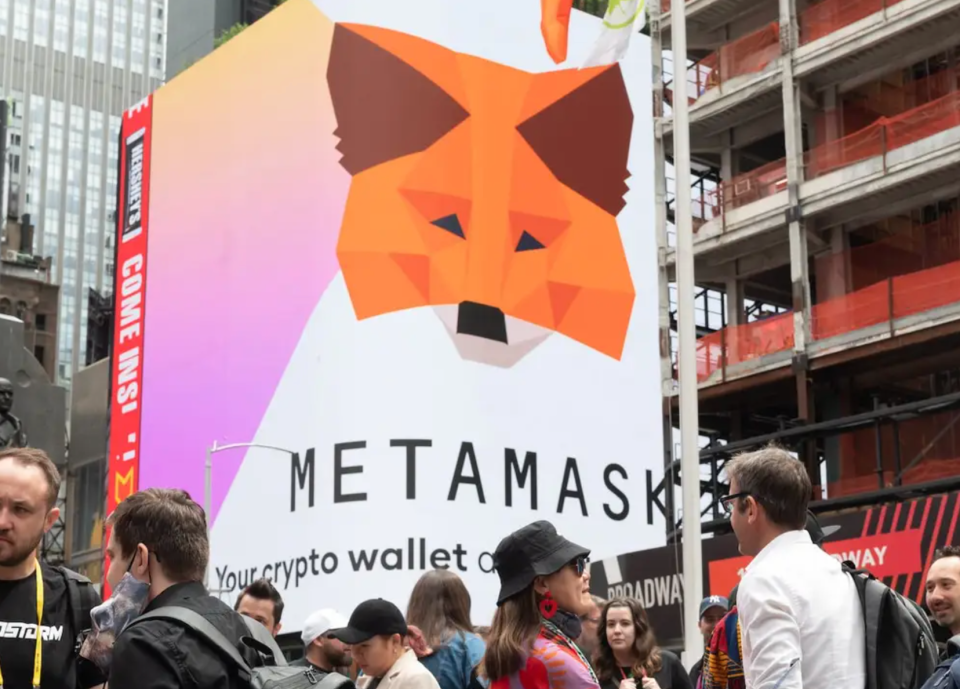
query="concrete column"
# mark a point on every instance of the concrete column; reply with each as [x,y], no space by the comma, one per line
[799,255]
[735,311]
[793,138]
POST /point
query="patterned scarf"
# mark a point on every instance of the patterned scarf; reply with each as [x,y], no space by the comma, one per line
[723,662]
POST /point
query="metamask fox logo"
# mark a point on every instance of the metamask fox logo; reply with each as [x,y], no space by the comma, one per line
[485,192]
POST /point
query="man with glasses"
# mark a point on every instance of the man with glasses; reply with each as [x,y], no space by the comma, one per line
[800,615]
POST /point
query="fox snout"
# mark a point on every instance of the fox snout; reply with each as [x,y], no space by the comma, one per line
[481,320]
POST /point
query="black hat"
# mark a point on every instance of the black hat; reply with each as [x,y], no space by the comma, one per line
[819,533]
[372,618]
[535,550]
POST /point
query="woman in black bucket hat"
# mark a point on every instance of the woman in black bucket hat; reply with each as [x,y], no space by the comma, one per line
[544,588]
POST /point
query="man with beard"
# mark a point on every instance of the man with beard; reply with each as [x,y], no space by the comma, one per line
[37,652]
[321,651]
[943,588]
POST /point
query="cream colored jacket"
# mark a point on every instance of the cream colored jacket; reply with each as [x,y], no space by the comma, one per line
[406,673]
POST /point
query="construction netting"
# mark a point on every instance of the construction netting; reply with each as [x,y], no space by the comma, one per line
[736,344]
[827,16]
[913,273]
[921,449]
[747,55]
[885,134]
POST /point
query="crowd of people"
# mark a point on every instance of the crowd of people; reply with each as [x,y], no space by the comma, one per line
[795,620]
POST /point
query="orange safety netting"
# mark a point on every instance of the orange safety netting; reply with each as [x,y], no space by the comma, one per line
[884,135]
[747,55]
[893,298]
[825,17]
[743,343]
[757,184]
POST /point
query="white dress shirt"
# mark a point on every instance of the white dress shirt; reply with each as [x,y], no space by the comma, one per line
[797,604]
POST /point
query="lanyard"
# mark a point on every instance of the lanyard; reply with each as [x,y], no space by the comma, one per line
[38,650]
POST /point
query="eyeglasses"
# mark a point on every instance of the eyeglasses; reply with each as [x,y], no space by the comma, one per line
[727,500]
[580,564]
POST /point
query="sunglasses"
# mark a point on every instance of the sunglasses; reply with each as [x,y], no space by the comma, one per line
[580,564]
[727,500]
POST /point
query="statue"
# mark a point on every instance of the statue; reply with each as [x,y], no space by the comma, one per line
[11,429]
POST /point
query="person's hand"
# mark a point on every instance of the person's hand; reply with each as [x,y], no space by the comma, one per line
[554,25]
[650,683]
[628,683]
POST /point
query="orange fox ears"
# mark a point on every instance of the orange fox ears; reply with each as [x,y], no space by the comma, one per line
[555,26]
[394,95]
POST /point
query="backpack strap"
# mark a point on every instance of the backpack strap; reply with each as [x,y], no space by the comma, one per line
[201,626]
[334,680]
[263,642]
[82,599]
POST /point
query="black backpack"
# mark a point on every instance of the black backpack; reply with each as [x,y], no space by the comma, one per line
[901,649]
[82,597]
[279,675]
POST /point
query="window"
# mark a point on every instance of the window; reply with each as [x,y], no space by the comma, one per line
[41,324]
[15,164]
[38,353]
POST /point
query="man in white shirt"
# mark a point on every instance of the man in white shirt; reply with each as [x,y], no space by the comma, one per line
[800,615]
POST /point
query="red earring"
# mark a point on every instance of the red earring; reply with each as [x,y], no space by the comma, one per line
[548,606]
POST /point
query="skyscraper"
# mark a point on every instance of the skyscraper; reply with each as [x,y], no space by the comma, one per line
[69,68]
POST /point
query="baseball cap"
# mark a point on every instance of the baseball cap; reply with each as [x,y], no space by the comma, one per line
[321,622]
[819,533]
[372,618]
[535,550]
[713,602]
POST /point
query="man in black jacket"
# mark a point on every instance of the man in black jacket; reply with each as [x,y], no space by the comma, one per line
[159,536]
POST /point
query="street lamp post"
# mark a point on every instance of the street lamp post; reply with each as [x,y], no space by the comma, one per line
[208,485]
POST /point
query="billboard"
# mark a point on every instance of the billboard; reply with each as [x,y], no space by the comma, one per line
[399,246]
[895,542]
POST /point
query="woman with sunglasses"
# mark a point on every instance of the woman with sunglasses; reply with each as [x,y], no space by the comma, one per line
[544,588]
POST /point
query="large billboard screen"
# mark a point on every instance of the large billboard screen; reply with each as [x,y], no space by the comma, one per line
[398,246]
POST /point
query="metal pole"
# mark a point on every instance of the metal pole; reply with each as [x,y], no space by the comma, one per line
[208,504]
[687,355]
[208,489]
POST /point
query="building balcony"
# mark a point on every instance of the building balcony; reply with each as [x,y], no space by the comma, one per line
[896,294]
[894,163]
[842,42]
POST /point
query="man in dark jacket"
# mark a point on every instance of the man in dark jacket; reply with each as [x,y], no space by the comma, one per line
[159,536]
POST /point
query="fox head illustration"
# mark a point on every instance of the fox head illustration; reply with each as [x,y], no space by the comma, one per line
[485,192]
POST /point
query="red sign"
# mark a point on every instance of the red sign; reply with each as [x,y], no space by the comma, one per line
[884,555]
[130,283]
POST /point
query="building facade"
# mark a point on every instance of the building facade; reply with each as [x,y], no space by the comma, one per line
[825,147]
[68,69]
[194,25]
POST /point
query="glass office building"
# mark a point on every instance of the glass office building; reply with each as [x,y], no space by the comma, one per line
[69,68]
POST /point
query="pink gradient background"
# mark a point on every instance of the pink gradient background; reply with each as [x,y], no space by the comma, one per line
[246,201]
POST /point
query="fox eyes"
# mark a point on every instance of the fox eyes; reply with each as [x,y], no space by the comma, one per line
[528,243]
[451,223]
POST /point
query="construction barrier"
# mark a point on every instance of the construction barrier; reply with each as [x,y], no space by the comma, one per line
[747,55]
[884,135]
[893,298]
[827,16]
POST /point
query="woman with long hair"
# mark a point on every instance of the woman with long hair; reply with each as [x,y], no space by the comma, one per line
[439,608]
[544,588]
[628,656]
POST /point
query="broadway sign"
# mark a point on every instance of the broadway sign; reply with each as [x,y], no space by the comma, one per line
[894,542]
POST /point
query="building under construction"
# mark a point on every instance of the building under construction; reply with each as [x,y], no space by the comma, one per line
[825,147]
